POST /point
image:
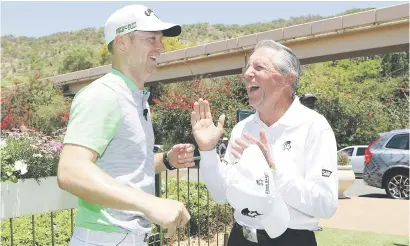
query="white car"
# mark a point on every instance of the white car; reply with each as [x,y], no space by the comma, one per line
[356,157]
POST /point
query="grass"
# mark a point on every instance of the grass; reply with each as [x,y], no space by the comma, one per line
[338,237]
[62,230]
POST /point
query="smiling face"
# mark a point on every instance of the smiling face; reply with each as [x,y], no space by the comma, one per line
[141,51]
[264,84]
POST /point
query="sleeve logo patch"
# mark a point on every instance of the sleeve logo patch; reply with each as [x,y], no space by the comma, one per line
[326,173]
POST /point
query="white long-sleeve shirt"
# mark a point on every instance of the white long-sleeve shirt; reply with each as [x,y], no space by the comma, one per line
[303,148]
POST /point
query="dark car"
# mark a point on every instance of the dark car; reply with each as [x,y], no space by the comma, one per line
[387,163]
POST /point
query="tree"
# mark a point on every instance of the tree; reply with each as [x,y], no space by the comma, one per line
[356,99]
[172,43]
[395,64]
[79,58]
[105,55]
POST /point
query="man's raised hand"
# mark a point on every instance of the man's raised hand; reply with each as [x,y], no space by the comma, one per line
[205,132]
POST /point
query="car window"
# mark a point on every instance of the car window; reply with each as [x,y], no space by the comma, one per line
[348,151]
[400,141]
[360,151]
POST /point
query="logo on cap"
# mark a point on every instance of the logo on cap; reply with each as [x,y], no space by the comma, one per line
[123,28]
[148,12]
[251,214]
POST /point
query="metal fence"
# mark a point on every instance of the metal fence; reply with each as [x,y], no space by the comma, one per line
[157,238]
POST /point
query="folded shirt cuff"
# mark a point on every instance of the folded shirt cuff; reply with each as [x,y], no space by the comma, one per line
[209,157]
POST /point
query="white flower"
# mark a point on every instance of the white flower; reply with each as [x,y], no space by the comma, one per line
[3,143]
[21,166]
[37,155]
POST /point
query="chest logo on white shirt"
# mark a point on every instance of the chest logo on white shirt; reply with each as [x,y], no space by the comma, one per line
[251,214]
[326,173]
[264,182]
[287,145]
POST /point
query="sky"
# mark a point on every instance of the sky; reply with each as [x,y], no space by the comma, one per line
[37,19]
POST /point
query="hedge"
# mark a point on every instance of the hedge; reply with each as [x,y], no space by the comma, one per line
[207,217]
[206,220]
[22,229]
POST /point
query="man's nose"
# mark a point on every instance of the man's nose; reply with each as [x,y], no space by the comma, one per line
[160,47]
[249,73]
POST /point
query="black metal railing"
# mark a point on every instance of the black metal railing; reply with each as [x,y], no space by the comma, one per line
[158,238]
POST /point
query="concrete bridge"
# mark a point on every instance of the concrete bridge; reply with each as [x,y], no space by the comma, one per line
[367,33]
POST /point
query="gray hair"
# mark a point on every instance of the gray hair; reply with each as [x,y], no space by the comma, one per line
[286,61]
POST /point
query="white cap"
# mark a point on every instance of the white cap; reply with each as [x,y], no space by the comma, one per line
[137,17]
[251,191]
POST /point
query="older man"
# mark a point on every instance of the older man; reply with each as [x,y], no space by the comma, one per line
[108,160]
[297,143]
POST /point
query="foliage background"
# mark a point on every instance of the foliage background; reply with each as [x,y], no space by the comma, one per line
[37,104]
[173,106]
[360,97]
[48,55]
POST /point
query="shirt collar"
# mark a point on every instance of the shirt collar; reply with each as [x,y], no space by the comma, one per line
[131,85]
[292,116]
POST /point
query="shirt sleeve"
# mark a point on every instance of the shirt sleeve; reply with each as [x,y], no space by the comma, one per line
[317,194]
[95,117]
[213,171]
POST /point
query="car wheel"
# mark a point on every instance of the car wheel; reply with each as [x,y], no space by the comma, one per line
[397,186]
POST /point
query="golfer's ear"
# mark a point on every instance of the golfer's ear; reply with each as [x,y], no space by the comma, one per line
[289,79]
[119,42]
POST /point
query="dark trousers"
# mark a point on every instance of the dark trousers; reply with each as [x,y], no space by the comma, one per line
[290,237]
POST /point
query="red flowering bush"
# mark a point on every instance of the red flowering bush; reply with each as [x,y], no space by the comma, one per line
[172,109]
[36,104]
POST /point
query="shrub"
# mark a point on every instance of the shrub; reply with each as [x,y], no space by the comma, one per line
[79,58]
[342,159]
[37,105]
[22,229]
[29,154]
[172,108]
[207,217]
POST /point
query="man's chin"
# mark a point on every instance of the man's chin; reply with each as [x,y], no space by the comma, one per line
[255,103]
[152,70]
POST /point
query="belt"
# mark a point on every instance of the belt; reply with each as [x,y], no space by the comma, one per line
[258,231]
[107,238]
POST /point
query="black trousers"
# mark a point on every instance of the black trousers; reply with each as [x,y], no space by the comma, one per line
[290,237]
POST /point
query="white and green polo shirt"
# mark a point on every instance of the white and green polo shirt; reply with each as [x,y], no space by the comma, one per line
[107,116]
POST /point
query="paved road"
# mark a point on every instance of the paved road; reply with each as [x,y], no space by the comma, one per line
[361,189]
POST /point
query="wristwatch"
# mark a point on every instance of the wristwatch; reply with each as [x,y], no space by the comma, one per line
[166,162]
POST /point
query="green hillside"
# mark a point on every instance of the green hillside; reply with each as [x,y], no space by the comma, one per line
[25,56]
[360,97]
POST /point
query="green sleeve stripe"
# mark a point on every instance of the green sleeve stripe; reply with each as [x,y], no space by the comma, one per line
[95,118]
